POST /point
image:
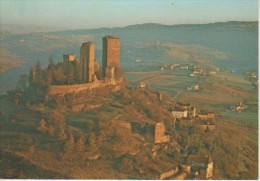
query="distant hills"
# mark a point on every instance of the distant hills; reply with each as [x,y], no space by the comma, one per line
[237,39]
[155,44]
[23,29]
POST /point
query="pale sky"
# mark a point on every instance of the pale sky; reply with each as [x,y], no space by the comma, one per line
[113,13]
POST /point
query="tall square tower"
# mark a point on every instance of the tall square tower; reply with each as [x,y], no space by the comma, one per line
[111,52]
[87,57]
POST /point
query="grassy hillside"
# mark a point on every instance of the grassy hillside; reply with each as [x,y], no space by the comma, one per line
[97,143]
[53,139]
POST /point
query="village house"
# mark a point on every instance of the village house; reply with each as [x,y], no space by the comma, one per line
[184,66]
[190,109]
[193,88]
[201,166]
[174,66]
[193,75]
[179,113]
[212,73]
[240,107]
[252,76]
[165,66]
[142,84]
[197,70]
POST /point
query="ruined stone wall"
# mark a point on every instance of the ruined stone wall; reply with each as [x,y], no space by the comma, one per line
[159,134]
[69,57]
[209,172]
[66,89]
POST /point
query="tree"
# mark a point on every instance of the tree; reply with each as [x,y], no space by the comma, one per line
[51,61]
[79,73]
[49,78]
[62,135]
[80,145]
[38,73]
[59,75]
[31,77]
[22,83]
[93,141]
[70,75]
[69,146]
[50,130]
[42,126]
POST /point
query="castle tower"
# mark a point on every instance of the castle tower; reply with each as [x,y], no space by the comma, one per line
[111,52]
[87,57]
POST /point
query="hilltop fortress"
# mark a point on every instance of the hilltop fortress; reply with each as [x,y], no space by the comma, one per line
[111,71]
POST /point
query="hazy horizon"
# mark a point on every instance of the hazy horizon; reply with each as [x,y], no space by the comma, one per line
[112,13]
[123,26]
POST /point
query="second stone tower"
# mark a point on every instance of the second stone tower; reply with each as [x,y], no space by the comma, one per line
[111,52]
[87,59]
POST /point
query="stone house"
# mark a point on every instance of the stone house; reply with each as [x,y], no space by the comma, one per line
[191,110]
[179,113]
[212,73]
[197,70]
[159,134]
[184,66]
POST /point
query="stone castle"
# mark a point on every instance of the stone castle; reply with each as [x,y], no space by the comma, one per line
[111,71]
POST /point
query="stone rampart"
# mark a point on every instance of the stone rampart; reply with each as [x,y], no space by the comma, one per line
[66,89]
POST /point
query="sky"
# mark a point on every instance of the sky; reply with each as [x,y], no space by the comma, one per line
[75,14]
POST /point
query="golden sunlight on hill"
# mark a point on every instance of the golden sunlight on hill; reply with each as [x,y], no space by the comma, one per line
[9,60]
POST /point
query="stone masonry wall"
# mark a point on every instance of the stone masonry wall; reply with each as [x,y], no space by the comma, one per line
[65,89]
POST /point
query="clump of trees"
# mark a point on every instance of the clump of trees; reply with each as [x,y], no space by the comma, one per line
[62,73]
[54,126]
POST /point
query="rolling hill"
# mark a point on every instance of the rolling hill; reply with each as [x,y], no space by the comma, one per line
[154,44]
